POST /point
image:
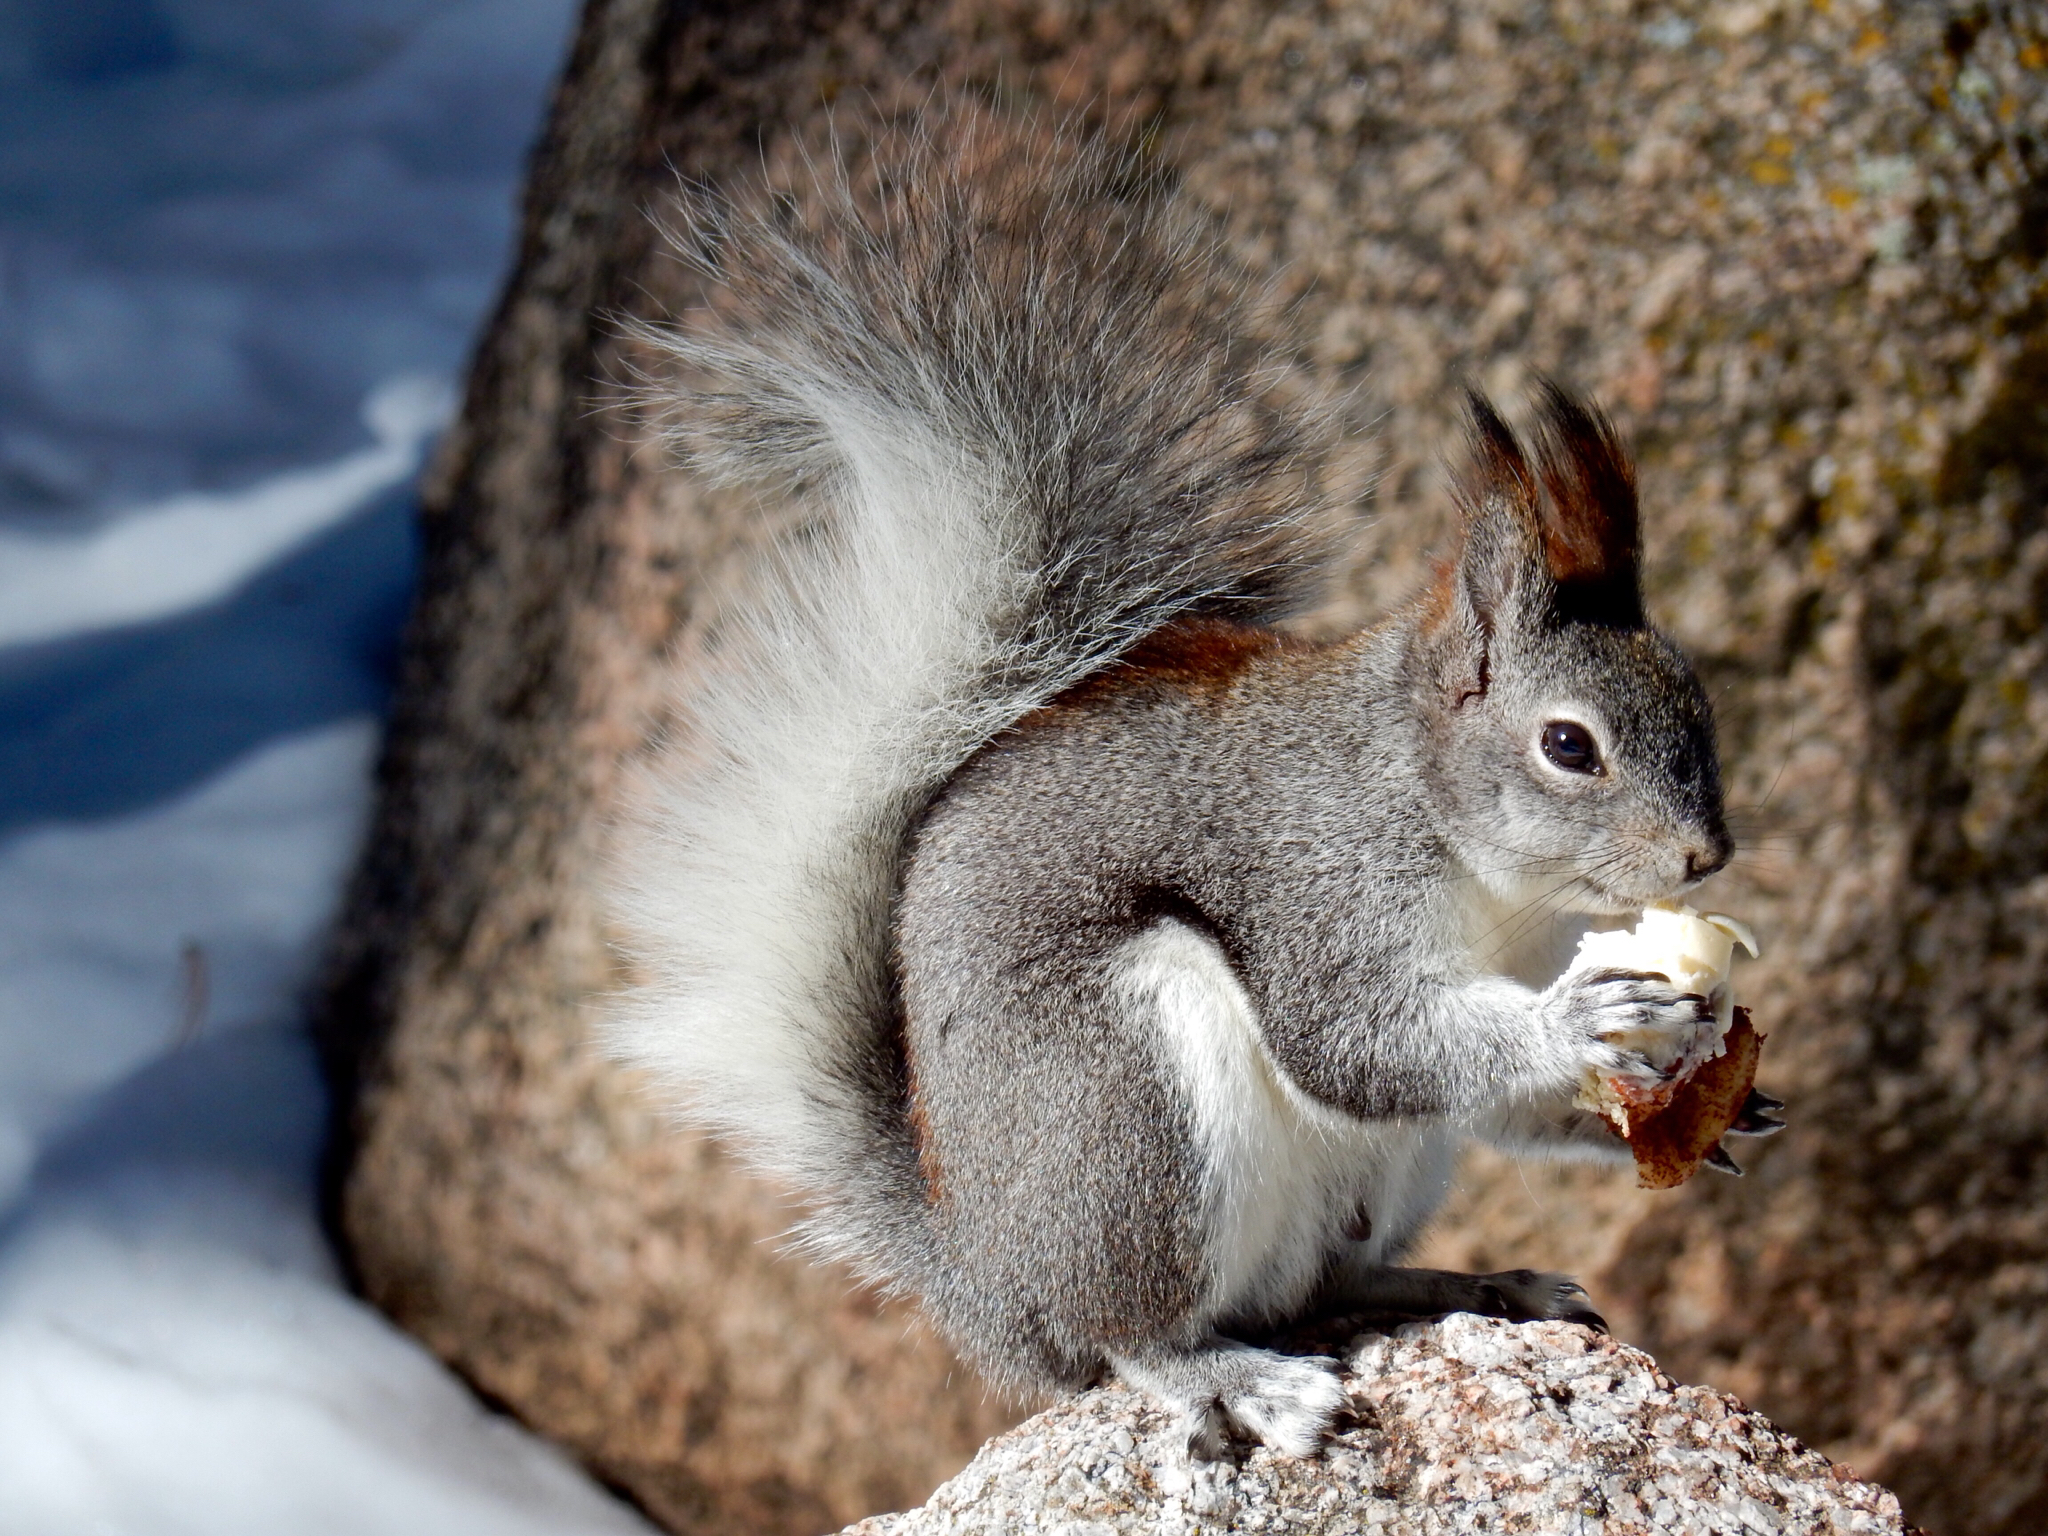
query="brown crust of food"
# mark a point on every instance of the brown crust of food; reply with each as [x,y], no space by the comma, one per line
[1672,1136]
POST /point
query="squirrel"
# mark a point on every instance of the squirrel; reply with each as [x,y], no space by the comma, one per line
[1096,956]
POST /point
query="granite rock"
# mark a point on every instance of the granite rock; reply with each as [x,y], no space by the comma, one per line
[1461,1427]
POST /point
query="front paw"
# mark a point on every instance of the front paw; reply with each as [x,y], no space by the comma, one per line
[1633,1025]
[1757,1117]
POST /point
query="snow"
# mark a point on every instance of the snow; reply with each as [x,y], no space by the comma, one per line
[117,940]
[177,1356]
[115,720]
[198,547]
[223,223]
[176,1351]
[223,229]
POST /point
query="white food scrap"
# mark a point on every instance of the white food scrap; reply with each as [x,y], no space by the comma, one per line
[1696,953]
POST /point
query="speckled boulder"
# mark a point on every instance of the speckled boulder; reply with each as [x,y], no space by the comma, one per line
[1797,247]
[1464,1426]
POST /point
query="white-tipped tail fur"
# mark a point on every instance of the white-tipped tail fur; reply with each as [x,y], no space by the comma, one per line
[1025,399]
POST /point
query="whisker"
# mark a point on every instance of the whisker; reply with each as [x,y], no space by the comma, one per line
[1545,904]
[1532,916]
[1783,763]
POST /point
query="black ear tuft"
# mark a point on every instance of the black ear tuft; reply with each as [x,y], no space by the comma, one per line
[1497,469]
[1590,525]
[1556,539]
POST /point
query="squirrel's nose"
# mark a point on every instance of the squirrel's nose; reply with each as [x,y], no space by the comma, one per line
[1704,861]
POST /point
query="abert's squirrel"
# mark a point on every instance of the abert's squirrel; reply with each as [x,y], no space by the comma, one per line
[1097,958]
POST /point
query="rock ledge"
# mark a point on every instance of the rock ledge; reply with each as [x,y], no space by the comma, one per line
[1463,1425]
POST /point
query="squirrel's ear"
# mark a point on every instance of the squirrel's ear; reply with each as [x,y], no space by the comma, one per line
[1590,523]
[1499,567]
[1500,564]
[1552,542]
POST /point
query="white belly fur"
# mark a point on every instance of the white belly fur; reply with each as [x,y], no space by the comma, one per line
[1284,1173]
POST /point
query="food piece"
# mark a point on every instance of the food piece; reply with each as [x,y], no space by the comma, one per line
[1672,1140]
[1694,953]
[1671,1127]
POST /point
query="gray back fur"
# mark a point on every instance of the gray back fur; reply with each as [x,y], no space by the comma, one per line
[1025,398]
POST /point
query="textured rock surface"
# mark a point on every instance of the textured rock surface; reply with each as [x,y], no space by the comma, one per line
[1798,247]
[1468,1425]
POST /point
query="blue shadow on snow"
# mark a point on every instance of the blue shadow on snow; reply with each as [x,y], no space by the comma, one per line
[101,724]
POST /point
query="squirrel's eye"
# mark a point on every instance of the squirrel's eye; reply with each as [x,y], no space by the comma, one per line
[1570,746]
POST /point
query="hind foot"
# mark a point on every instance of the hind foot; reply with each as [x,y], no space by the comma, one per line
[1230,1395]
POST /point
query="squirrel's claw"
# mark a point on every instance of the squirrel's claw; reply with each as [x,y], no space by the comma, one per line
[1756,1117]
[1211,1435]
[1719,1158]
[1585,1317]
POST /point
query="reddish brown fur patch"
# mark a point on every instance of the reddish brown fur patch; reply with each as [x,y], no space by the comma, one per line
[1195,655]
[1205,653]
[1440,596]
[928,1166]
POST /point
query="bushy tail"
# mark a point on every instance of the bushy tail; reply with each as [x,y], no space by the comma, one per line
[1022,396]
